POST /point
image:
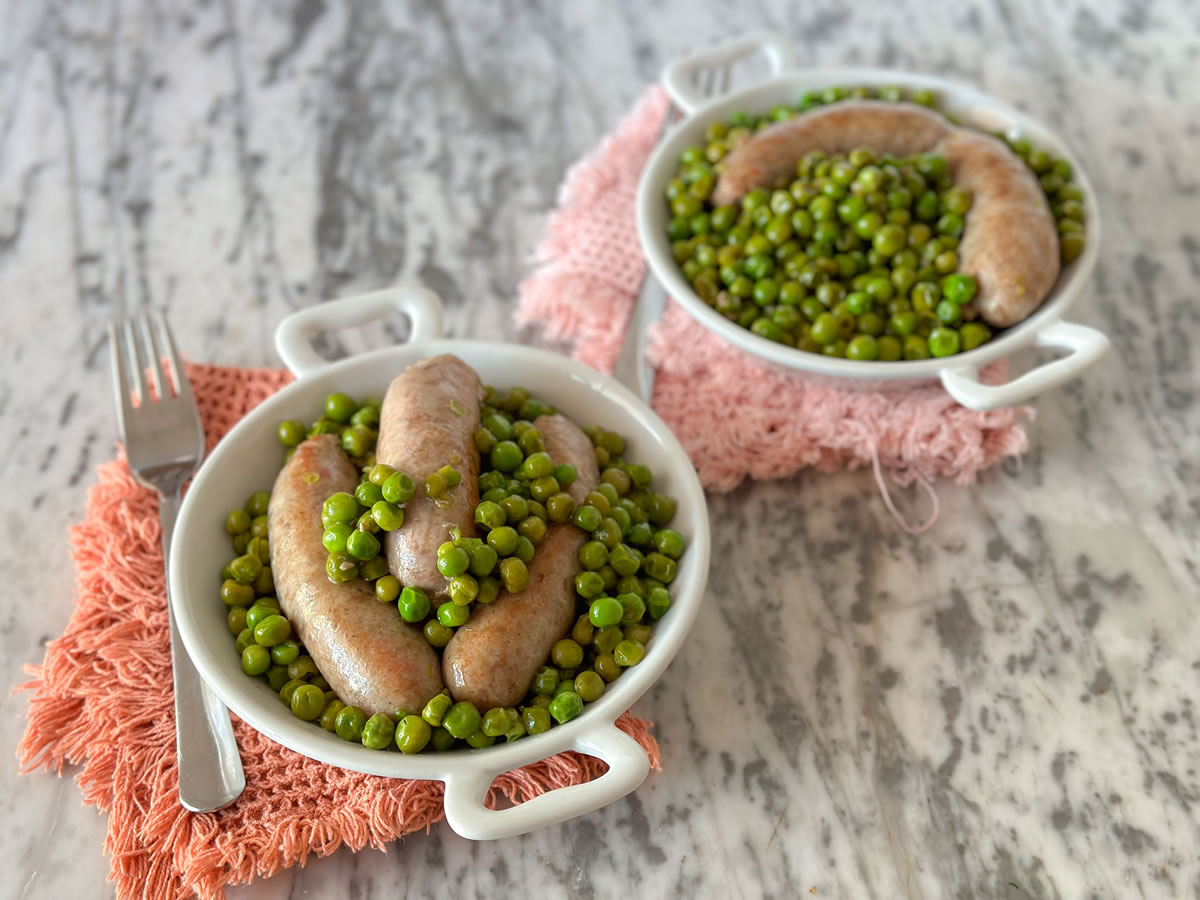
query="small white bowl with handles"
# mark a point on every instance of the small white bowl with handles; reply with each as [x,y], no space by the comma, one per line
[250,456]
[959,374]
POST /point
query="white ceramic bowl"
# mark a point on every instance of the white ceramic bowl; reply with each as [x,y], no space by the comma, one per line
[959,374]
[248,459]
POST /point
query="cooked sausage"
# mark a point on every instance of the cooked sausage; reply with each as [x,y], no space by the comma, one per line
[366,652]
[1010,243]
[492,659]
[429,418]
[770,156]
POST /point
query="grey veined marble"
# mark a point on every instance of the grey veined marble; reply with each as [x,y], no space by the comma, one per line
[1004,707]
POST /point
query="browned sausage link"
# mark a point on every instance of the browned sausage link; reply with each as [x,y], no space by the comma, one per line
[1010,243]
[491,660]
[429,417]
[366,652]
[769,157]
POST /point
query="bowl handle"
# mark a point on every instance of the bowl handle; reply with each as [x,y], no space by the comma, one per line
[679,76]
[1085,346]
[293,337]
[628,766]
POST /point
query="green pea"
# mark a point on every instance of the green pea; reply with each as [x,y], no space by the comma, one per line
[503,540]
[593,555]
[559,507]
[235,594]
[525,549]
[545,680]
[366,415]
[630,584]
[959,288]
[454,562]
[339,507]
[272,630]
[245,569]
[944,342]
[302,667]
[277,677]
[890,349]
[462,720]
[368,494]
[660,508]
[255,660]
[658,601]
[862,347]
[589,686]
[259,611]
[379,473]
[536,719]
[625,560]
[950,224]
[537,465]
[244,639]
[498,721]
[483,560]
[237,522]
[607,637]
[949,313]
[289,688]
[506,456]
[412,734]
[530,441]
[515,507]
[566,654]
[349,723]
[340,407]
[974,334]
[285,653]
[362,545]
[669,542]
[307,702]
[542,489]
[565,707]
[872,324]
[236,619]
[589,585]
[514,574]
[565,474]
[328,717]
[659,567]
[532,527]
[489,515]
[291,432]
[378,731]
[587,517]
[452,615]
[629,653]
[437,634]
[633,607]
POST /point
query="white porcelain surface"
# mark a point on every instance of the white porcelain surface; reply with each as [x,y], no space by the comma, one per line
[248,459]
[786,83]
[1003,708]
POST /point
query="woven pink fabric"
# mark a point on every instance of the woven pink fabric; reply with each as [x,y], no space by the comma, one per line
[737,416]
[102,700]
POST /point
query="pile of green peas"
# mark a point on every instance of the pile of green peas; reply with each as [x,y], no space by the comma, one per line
[857,256]
[628,563]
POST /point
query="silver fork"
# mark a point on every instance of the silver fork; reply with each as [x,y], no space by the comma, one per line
[632,370]
[164,443]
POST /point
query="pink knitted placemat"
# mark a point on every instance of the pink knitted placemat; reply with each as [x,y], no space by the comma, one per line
[737,416]
[102,700]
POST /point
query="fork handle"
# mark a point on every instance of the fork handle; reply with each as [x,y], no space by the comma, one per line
[210,769]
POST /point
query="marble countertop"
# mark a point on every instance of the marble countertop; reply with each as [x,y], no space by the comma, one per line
[1004,707]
